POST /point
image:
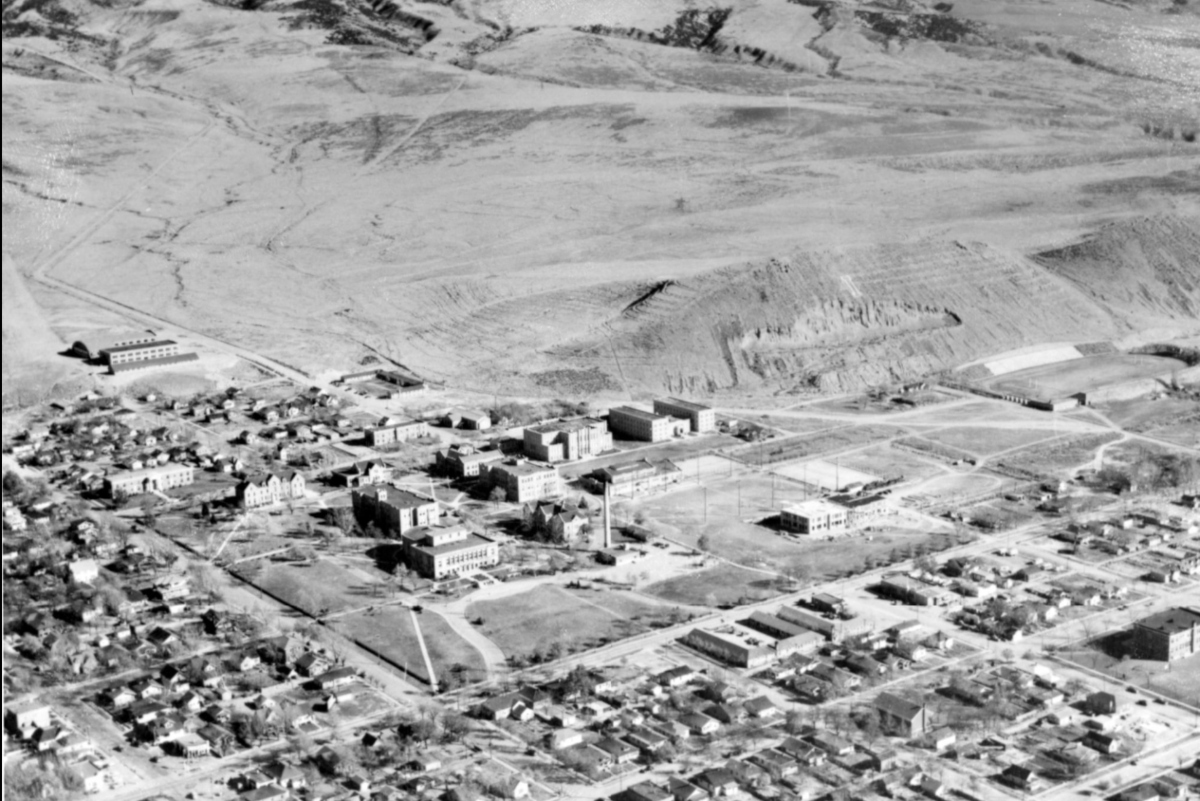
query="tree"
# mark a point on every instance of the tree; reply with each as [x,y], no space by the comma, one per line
[498,495]
[343,518]
[926,564]
[704,543]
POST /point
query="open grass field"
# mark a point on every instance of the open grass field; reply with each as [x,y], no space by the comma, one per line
[820,443]
[734,533]
[320,586]
[390,631]
[1084,375]
[534,621]
[716,586]
[985,441]
[1181,682]
[831,475]
[1061,455]
[888,462]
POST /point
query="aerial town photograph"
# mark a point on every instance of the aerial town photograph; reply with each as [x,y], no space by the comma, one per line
[601,400]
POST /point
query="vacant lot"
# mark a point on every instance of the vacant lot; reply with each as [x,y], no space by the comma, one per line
[389,630]
[985,441]
[1181,682]
[717,586]
[1084,375]
[321,587]
[888,462]
[535,621]
[816,444]
[1064,454]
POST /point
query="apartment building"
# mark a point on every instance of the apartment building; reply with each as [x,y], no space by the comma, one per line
[150,479]
[565,440]
[392,432]
[702,418]
[441,552]
[269,488]
[524,481]
[813,517]
[393,510]
[1167,636]
[646,426]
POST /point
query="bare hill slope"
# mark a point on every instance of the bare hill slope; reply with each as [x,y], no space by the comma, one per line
[1142,270]
[839,319]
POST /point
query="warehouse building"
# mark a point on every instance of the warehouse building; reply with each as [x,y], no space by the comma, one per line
[813,517]
[702,418]
[730,648]
[1167,636]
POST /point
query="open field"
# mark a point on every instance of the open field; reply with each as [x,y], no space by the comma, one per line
[984,441]
[546,617]
[1061,455]
[1105,654]
[389,630]
[829,475]
[889,462]
[321,586]
[716,586]
[1087,374]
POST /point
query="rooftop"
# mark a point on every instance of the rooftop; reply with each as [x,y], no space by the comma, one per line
[813,508]
[1171,621]
[139,346]
[472,541]
[573,424]
[395,496]
[689,405]
[639,413]
[522,467]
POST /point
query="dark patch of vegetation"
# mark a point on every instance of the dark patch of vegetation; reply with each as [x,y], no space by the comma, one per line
[934,27]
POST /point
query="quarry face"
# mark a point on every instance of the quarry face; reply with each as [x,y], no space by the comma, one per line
[754,197]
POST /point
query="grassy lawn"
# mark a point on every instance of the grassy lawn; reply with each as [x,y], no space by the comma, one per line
[321,585]
[533,621]
[720,585]
[886,461]
[390,631]
[1181,682]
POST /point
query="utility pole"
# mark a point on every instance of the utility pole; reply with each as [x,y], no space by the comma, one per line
[705,503]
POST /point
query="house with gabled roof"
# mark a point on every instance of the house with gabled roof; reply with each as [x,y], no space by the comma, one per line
[901,716]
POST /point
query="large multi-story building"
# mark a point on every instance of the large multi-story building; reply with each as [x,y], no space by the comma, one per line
[638,477]
[702,418]
[394,510]
[120,358]
[150,479]
[390,433]
[524,481]
[1167,636]
[731,649]
[567,439]
[813,517]
[639,424]
[464,461]
[269,488]
[441,552]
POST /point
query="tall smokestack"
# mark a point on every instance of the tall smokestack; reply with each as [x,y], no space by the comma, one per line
[607,516]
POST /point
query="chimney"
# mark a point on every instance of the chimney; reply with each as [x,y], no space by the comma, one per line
[607,516]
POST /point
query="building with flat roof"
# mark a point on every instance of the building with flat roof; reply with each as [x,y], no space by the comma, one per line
[702,418]
[158,351]
[564,440]
[149,479]
[646,426]
[911,591]
[635,478]
[466,461]
[729,648]
[391,433]
[1167,636]
[438,552]
[813,517]
[392,509]
[524,481]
